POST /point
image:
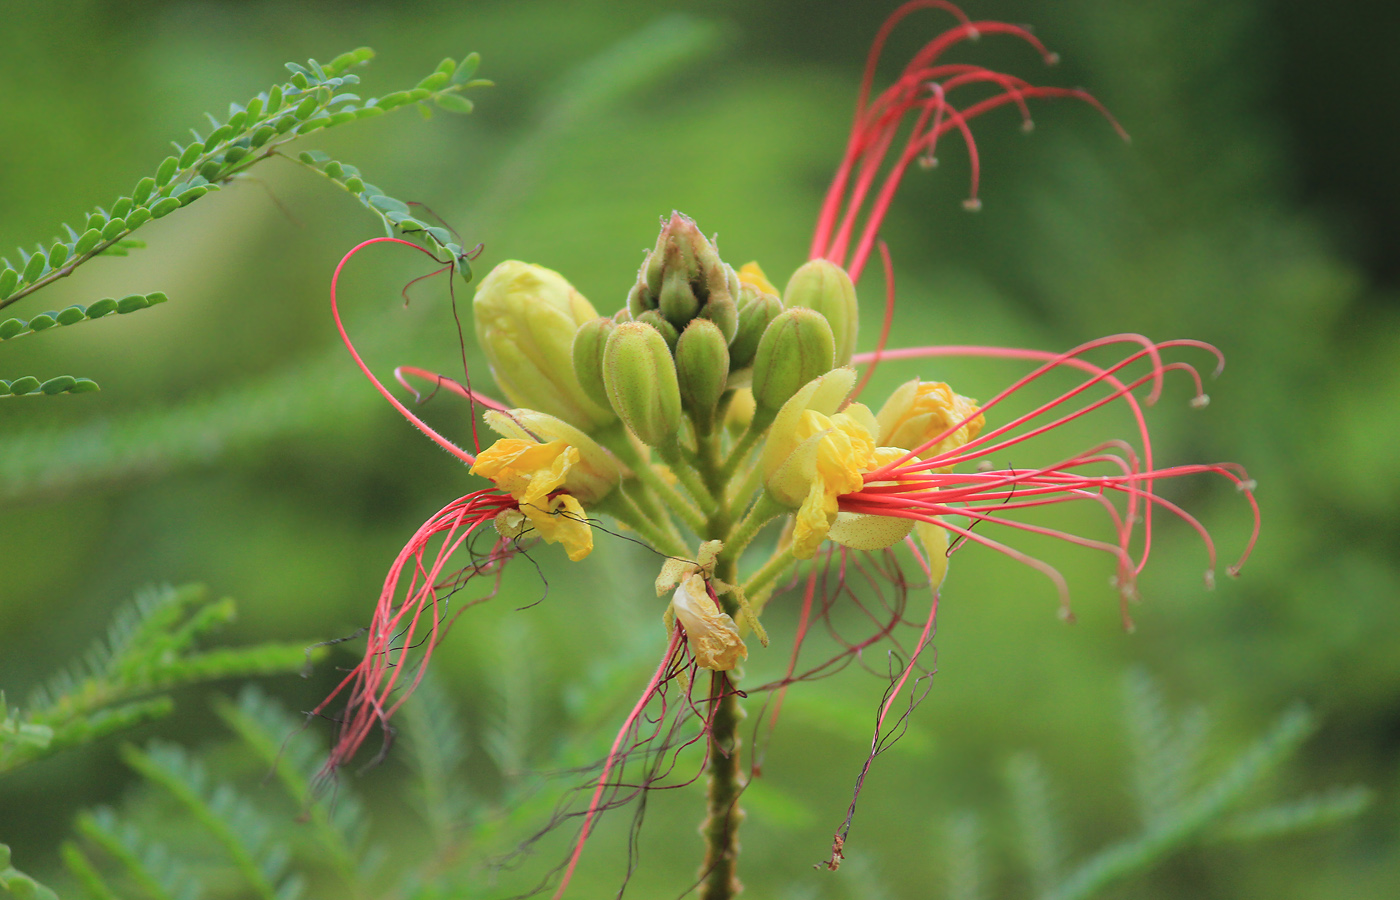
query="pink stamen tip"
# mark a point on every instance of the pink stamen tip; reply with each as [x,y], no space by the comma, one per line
[1247,486]
[972,204]
[1027,126]
[1052,59]
[1200,401]
[928,162]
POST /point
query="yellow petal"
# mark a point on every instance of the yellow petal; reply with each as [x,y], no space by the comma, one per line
[564,522]
[713,636]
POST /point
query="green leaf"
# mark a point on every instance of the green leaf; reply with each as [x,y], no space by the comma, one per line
[9,279]
[72,315]
[368,112]
[274,99]
[156,297]
[26,385]
[166,170]
[306,107]
[164,207]
[90,239]
[433,81]
[286,124]
[105,306]
[59,384]
[234,154]
[97,220]
[193,194]
[299,79]
[334,169]
[454,103]
[140,216]
[389,101]
[466,68]
[210,170]
[122,207]
[144,188]
[131,303]
[354,185]
[84,386]
[35,267]
[58,253]
[42,322]
[114,229]
[17,884]
[238,119]
[11,327]
[263,135]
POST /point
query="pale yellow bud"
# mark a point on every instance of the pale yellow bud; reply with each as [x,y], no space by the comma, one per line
[526,317]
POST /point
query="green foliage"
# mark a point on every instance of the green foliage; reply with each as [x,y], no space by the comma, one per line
[314,99]
[14,883]
[1181,806]
[149,650]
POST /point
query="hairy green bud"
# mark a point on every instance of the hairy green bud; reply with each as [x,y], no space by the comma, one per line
[756,310]
[702,368]
[797,347]
[641,383]
[824,286]
[526,317]
[684,278]
[656,320]
[589,343]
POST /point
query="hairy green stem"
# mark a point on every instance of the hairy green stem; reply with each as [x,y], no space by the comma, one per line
[723,815]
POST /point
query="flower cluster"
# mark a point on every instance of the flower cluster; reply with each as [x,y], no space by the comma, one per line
[711,404]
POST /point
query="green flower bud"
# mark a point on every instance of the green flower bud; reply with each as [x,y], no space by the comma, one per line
[824,286]
[756,310]
[589,342]
[656,320]
[684,277]
[641,382]
[526,317]
[702,368]
[796,348]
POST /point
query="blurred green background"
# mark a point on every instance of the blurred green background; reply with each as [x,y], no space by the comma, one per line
[233,444]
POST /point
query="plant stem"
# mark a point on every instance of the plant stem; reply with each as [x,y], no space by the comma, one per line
[721,825]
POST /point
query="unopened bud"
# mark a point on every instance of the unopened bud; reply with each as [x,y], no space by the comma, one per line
[740,412]
[796,348]
[824,286]
[589,342]
[597,471]
[656,320]
[526,316]
[756,310]
[640,379]
[702,368]
[684,277]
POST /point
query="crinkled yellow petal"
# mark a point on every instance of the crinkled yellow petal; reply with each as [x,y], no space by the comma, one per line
[526,470]
[564,522]
[713,636]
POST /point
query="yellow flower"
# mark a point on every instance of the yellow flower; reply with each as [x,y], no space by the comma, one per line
[919,411]
[591,477]
[529,471]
